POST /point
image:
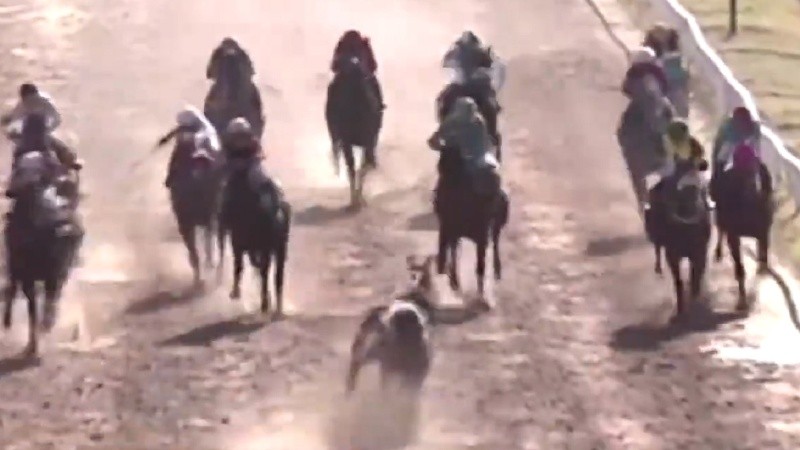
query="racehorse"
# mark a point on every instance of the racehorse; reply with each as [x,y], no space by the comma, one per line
[354,118]
[744,209]
[233,95]
[679,222]
[396,336]
[195,195]
[259,223]
[42,237]
[479,89]
[468,206]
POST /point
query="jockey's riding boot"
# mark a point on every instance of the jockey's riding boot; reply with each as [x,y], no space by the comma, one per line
[376,86]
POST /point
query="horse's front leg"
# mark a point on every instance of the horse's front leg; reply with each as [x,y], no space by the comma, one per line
[238,266]
[8,296]
[698,270]
[720,239]
[263,269]
[189,234]
[29,289]
[674,263]
[480,271]
[208,239]
[455,283]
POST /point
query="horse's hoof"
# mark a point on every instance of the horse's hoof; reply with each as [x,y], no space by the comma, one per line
[31,350]
[763,269]
[742,306]
[278,315]
[235,294]
[482,305]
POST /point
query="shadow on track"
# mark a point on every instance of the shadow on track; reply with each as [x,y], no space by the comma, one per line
[424,222]
[205,335]
[17,363]
[613,246]
[700,318]
[158,299]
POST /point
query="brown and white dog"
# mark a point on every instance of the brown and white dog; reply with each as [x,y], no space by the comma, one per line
[397,335]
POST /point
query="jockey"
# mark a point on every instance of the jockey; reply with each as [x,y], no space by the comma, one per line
[676,73]
[229,45]
[739,128]
[469,55]
[32,149]
[34,101]
[684,155]
[657,37]
[465,129]
[354,44]
[190,120]
[644,65]
[243,152]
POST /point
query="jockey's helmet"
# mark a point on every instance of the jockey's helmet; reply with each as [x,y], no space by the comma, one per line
[187,118]
[468,38]
[239,126]
[28,89]
[678,130]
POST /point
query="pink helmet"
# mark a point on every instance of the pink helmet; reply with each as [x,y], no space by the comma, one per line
[745,157]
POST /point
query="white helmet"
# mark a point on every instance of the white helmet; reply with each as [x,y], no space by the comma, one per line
[187,117]
[643,55]
[239,125]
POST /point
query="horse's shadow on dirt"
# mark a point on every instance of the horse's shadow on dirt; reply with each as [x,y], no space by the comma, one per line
[207,334]
[424,222]
[319,215]
[605,247]
[18,363]
[699,318]
[158,299]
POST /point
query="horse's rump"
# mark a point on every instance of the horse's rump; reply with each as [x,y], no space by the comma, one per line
[742,205]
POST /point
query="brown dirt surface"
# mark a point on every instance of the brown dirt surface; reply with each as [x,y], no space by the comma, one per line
[576,354]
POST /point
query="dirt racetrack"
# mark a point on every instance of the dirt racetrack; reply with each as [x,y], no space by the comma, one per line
[576,354]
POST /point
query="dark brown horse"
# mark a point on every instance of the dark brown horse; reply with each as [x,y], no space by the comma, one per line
[678,219]
[258,220]
[232,95]
[468,205]
[42,237]
[354,118]
[195,195]
[744,209]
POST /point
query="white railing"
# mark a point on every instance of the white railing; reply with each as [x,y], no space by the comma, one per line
[729,92]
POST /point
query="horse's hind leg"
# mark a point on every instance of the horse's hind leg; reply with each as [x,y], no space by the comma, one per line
[658,249]
[189,234]
[698,270]
[734,245]
[720,238]
[52,292]
[208,240]
[280,267]
[455,284]
[8,295]
[763,252]
[221,234]
[441,256]
[238,266]
[29,289]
